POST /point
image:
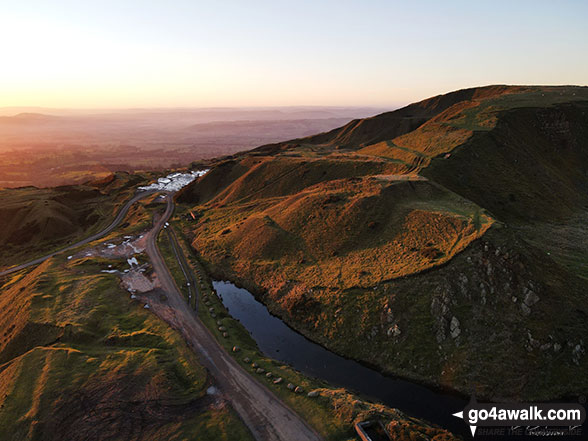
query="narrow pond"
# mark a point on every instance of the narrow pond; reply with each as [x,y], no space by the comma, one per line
[277,340]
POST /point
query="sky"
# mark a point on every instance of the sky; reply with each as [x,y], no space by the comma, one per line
[190,53]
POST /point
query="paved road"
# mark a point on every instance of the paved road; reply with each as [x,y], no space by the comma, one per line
[268,418]
[117,220]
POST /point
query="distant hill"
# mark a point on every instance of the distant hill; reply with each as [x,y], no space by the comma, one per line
[69,147]
[30,118]
[389,125]
[35,221]
[434,241]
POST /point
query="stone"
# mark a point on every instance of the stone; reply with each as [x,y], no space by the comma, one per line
[313,394]
[577,354]
[213,315]
[260,370]
[298,390]
[269,375]
[393,331]
[278,380]
[454,327]
[531,298]
[218,322]
[222,328]
[556,347]
[225,334]
[254,365]
[247,360]
[210,309]
[525,309]
[389,316]
[291,386]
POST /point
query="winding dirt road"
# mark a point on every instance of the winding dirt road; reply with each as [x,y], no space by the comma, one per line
[265,415]
[117,220]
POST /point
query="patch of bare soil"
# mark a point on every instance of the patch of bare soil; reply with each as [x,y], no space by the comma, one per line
[126,248]
[93,414]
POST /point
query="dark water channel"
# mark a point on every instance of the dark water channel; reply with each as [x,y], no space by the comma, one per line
[277,340]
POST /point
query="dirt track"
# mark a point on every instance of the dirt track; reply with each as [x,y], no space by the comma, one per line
[117,220]
[265,415]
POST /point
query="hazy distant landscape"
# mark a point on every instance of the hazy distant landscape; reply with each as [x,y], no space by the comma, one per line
[293,221]
[48,147]
[432,243]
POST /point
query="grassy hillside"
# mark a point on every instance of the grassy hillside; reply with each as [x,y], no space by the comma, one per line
[35,221]
[331,411]
[389,125]
[444,234]
[80,360]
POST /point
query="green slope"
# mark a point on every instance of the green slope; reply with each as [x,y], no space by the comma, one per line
[458,220]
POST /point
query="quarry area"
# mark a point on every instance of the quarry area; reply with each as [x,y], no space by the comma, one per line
[174,181]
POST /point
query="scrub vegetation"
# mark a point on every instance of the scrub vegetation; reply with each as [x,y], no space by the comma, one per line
[35,221]
[433,242]
[80,360]
[332,411]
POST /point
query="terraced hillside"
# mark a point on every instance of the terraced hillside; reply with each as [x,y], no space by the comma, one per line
[35,221]
[78,360]
[434,241]
[81,359]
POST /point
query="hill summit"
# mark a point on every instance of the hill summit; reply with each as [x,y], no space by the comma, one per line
[434,242]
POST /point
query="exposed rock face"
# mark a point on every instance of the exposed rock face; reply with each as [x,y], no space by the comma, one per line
[488,310]
[440,311]
[530,297]
[394,331]
[555,124]
[493,312]
[578,352]
[454,327]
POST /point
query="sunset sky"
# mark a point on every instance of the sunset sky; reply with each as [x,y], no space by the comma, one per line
[255,53]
